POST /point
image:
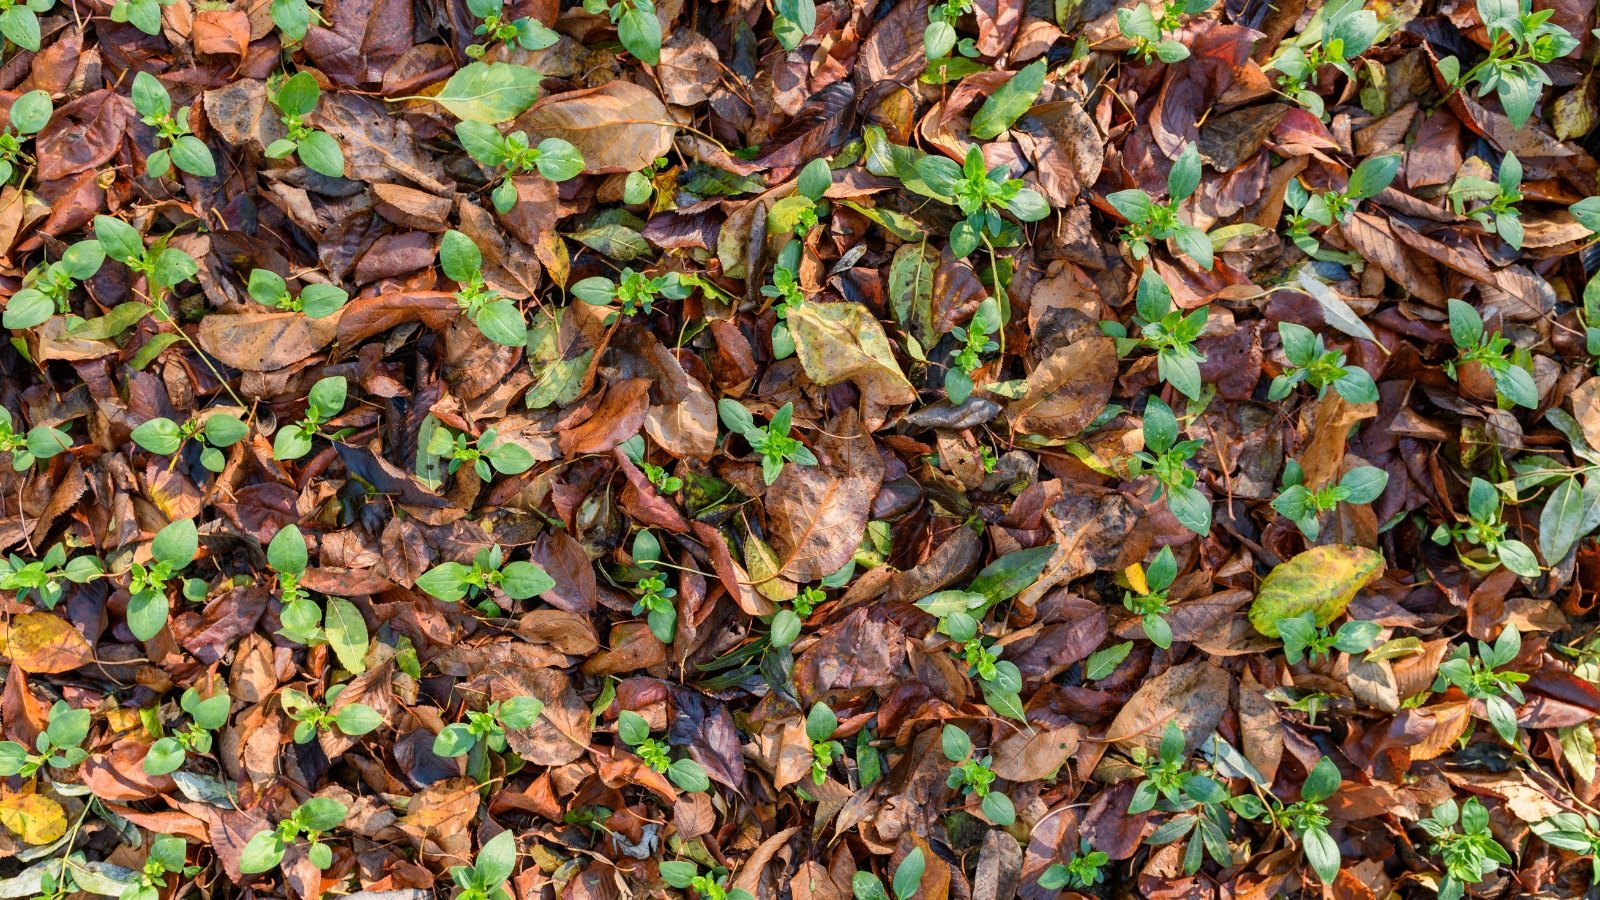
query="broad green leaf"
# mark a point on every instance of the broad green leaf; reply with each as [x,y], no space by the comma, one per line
[347,634]
[1009,102]
[489,91]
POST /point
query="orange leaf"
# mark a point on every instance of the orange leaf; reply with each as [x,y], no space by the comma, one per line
[44,644]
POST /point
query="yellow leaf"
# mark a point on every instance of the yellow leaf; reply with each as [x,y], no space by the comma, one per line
[1322,580]
[36,819]
[44,644]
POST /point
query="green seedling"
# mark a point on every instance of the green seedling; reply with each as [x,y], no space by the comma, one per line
[1512,381]
[19,21]
[214,433]
[1481,677]
[312,718]
[59,746]
[1339,32]
[44,578]
[1575,832]
[1167,331]
[144,15]
[47,288]
[1307,819]
[495,29]
[40,442]
[512,155]
[172,549]
[29,114]
[772,443]
[632,292]
[1149,221]
[1164,458]
[1149,600]
[940,37]
[1082,872]
[686,774]
[982,194]
[1305,209]
[168,856]
[638,29]
[907,880]
[316,300]
[452,581]
[168,754]
[1492,204]
[184,150]
[310,820]
[295,98]
[713,885]
[975,341]
[1304,507]
[498,318]
[655,604]
[1311,362]
[325,401]
[1469,855]
[1485,531]
[164,267]
[486,878]
[975,776]
[1304,640]
[1151,33]
[485,456]
[1521,40]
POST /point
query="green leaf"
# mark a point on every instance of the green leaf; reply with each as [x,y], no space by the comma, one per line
[118,239]
[21,25]
[1373,175]
[357,719]
[261,853]
[1191,508]
[821,723]
[27,308]
[1103,662]
[320,814]
[327,396]
[298,95]
[1322,581]
[31,111]
[640,34]
[453,740]
[524,580]
[320,152]
[489,92]
[689,776]
[147,614]
[677,873]
[446,581]
[1184,178]
[1010,574]
[999,809]
[287,551]
[459,257]
[497,859]
[955,743]
[176,544]
[908,875]
[165,757]
[1321,782]
[501,321]
[1322,853]
[191,155]
[1009,102]
[159,436]
[1569,514]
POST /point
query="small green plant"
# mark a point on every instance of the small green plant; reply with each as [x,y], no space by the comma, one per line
[713,885]
[312,718]
[786,623]
[164,437]
[1304,507]
[1521,40]
[975,776]
[310,820]
[1307,819]
[1571,831]
[1204,808]
[793,21]
[168,753]
[44,577]
[59,746]
[959,613]
[982,194]
[1081,872]
[940,37]
[552,158]
[633,292]
[325,400]
[144,15]
[316,300]
[1149,600]
[1163,771]
[164,267]
[1150,32]
[685,773]
[1481,678]
[296,97]
[656,475]
[48,286]
[29,113]
[655,604]
[821,723]
[486,455]
[1512,382]
[798,212]
[1493,204]
[1484,529]
[975,341]
[452,581]
[498,318]
[497,29]
[639,186]
[1149,221]
[339,626]
[1164,458]
[486,878]
[907,880]
[1165,329]
[168,856]
[1311,362]
[1306,209]
[637,26]
[184,150]
[37,443]
[1303,639]
[788,295]
[294,18]
[772,443]
[1468,854]
[172,549]
[1338,33]
[19,21]
[487,728]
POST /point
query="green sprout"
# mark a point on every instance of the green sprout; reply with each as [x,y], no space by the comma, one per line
[325,401]
[316,300]
[552,158]
[497,29]
[1311,362]
[498,318]
[296,97]
[1485,529]
[172,549]
[1304,506]
[1469,854]
[772,443]
[59,746]
[1480,678]
[213,433]
[184,150]
[168,754]
[1165,329]
[637,26]
[1521,40]
[975,776]
[47,288]
[633,292]
[43,578]
[1339,32]
[1493,204]
[686,774]
[1165,458]
[310,820]
[1149,221]
[1512,382]
[1150,32]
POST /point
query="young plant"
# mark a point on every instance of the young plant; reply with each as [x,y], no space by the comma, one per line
[59,746]
[37,443]
[1521,40]
[685,773]
[486,878]
[982,194]
[637,26]
[29,113]
[452,582]
[47,288]
[168,856]
[144,15]
[1149,221]
[164,437]
[296,97]
[786,623]
[340,625]
[1165,329]
[1469,854]
[793,21]
[552,158]
[1480,678]
[713,885]
[1163,771]
[1306,209]
[958,613]
[975,776]
[773,442]
[1571,831]
[19,21]
[1512,382]
[906,882]
[1304,507]
[975,341]
[1338,33]
[1484,529]
[1307,819]
[310,820]
[821,723]
[317,301]
[485,732]
[940,37]
[497,29]
[1493,203]
[486,455]
[173,548]
[1302,639]
[785,289]
[294,18]
[656,475]
[634,292]
[1205,811]
[798,212]
[498,318]
[184,150]
[1150,32]
[168,754]
[43,578]
[164,267]
[312,718]
[1147,596]
[1311,362]
[325,400]
[655,604]
[638,186]
[1164,458]
[1079,873]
